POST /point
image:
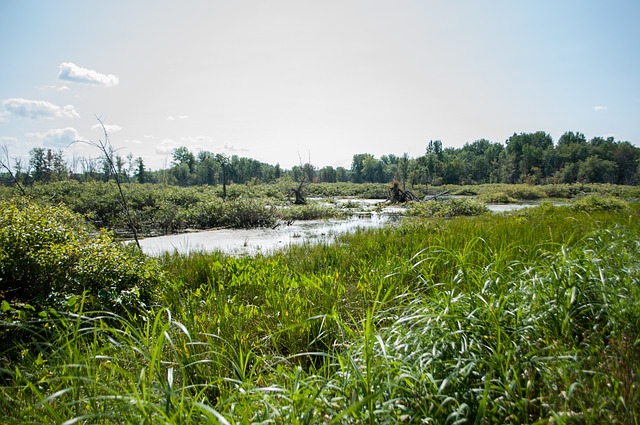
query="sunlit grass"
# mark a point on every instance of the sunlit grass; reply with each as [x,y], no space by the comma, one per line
[509,318]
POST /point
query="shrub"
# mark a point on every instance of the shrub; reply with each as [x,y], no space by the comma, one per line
[528,192]
[599,203]
[496,198]
[449,208]
[309,212]
[48,255]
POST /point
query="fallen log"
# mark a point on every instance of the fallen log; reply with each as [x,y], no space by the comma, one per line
[436,196]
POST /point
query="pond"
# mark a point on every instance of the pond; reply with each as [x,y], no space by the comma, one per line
[240,242]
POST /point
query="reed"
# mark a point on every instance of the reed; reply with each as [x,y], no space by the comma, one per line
[521,318]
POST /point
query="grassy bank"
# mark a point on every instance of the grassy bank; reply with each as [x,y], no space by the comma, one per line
[524,318]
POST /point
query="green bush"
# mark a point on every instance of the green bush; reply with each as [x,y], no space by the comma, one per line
[48,255]
[309,212]
[524,191]
[599,203]
[496,198]
[449,208]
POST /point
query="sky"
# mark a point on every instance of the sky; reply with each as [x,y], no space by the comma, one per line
[291,81]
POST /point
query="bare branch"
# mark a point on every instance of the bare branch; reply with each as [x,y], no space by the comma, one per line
[6,166]
[107,152]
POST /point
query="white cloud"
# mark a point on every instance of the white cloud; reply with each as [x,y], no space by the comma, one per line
[76,74]
[111,128]
[33,109]
[58,137]
[598,108]
[56,88]
[133,142]
[8,141]
[180,117]
[149,136]
[198,140]
[166,147]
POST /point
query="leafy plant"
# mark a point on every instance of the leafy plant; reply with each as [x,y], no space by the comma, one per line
[448,208]
[596,202]
[48,255]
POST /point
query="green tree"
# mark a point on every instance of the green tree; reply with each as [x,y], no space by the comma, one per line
[206,168]
[183,155]
[357,164]
[223,160]
[47,165]
[597,170]
[141,174]
[372,170]
[527,152]
[327,174]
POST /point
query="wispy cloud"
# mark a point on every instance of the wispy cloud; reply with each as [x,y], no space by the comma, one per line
[58,137]
[111,128]
[166,147]
[34,109]
[62,87]
[8,141]
[599,108]
[180,117]
[197,140]
[76,74]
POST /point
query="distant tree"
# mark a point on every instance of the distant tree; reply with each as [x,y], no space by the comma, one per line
[403,170]
[626,156]
[357,164]
[571,149]
[183,155]
[47,165]
[39,165]
[327,174]
[140,174]
[6,164]
[224,165]
[597,170]
[526,152]
[342,174]
[206,168]
[372,170]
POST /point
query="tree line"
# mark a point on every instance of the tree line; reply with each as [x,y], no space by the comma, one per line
[531,158]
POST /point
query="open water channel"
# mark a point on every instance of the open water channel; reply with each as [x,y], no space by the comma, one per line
[241,242]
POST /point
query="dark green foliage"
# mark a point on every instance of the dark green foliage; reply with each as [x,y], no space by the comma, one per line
[47,256]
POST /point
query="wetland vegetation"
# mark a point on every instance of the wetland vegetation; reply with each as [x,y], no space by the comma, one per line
[522,317]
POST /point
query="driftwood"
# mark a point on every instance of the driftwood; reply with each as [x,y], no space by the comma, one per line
[436,196]
[299,199]
[398,195]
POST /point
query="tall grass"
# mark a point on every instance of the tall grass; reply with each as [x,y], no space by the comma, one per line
[523,318]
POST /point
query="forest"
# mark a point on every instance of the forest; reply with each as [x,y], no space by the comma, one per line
[531,158]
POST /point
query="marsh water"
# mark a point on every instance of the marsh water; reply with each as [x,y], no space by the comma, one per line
[266,240]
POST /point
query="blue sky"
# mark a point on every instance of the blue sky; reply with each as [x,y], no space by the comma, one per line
[282,80]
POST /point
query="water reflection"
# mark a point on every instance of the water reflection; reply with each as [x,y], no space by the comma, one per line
[262,240]
[265,240]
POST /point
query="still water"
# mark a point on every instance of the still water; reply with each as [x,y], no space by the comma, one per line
[241,242]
